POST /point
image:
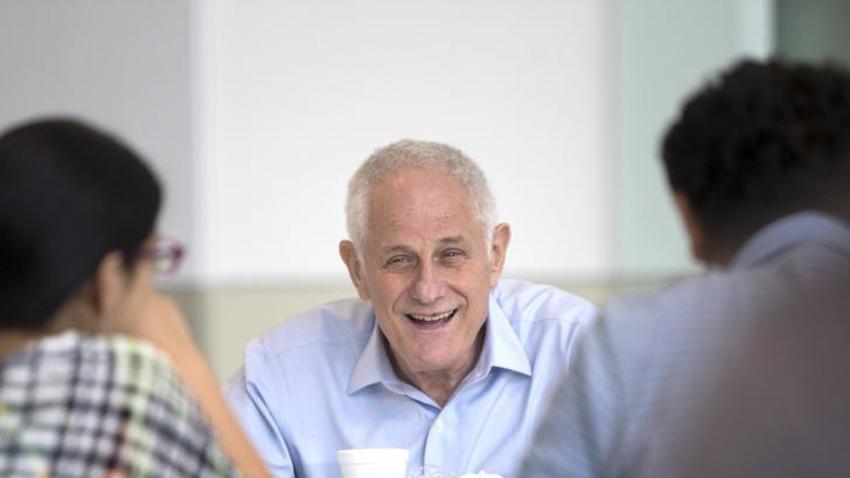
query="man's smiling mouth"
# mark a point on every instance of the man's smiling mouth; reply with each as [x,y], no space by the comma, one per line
[431,320]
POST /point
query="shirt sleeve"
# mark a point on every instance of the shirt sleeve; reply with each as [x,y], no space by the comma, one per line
[254,413]
[580,433]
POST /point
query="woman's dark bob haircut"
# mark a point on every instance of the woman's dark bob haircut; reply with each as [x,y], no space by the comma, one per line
[69,195]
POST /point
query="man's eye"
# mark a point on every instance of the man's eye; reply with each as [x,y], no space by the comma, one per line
[452,256]
[398,261]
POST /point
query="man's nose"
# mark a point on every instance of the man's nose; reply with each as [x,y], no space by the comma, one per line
[428,287]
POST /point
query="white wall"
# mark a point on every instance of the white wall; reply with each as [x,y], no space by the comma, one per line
[305,91]
[256,113]
[665,50]
[124,65]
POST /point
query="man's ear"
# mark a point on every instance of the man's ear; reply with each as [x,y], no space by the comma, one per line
[110,284]
[498,251]
[348,254]
[694,229]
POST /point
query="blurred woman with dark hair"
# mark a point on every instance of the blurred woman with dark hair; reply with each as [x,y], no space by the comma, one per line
[99,375]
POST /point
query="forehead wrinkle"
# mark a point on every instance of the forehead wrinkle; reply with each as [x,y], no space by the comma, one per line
[420,192]
[438,216]
[395,248]
[445,226]
[449,240]
[457,239]
[408,210]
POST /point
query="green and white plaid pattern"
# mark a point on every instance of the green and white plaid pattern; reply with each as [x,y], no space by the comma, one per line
[76,405]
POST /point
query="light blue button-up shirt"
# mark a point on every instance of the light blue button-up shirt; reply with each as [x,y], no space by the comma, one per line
[322,381]
[640,378]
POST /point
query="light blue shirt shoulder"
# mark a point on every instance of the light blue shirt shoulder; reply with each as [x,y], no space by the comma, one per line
[322,381]
[639,374]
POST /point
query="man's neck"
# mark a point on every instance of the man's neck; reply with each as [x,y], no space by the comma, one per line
[439,385]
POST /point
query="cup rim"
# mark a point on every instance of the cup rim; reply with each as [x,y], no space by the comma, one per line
[373,455]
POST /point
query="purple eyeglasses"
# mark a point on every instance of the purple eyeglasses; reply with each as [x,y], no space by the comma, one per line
[165,254]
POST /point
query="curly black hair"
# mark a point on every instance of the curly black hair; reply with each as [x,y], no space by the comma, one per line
[763,140]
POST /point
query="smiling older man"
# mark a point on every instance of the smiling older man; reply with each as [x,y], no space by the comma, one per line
[438,356]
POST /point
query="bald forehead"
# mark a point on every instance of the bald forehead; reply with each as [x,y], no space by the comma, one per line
[420,189]
[419,199]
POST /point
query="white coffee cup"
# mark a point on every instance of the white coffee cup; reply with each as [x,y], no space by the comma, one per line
[373,462]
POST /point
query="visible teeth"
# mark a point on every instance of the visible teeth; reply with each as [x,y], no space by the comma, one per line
[432,318]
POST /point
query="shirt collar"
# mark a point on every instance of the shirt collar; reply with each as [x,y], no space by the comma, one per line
[502,349]
[373,366]
[790,231]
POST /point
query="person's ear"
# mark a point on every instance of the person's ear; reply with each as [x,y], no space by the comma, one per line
[693,227]
[110,284]
[498,251]
[348,254]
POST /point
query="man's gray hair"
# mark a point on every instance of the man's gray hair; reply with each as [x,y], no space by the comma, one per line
[411,154]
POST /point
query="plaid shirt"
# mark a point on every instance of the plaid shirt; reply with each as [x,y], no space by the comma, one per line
[75,405]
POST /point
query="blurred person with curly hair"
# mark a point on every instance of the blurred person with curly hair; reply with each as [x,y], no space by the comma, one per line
[758,164]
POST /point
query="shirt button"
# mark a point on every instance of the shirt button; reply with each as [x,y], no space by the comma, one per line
[438,425]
